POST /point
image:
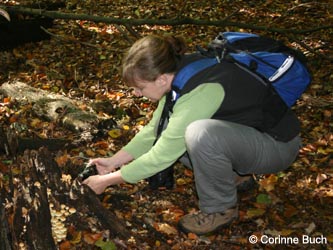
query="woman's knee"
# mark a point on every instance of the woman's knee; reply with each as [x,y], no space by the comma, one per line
[206,127]
[196,131]
[216,135]
[203,132]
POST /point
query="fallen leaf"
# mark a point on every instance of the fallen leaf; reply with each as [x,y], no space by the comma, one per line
[102,152]
[62,159]
[321,178]
[180,181]
[287,232]
[105,245]
[272,232]
[290,211]
[6,100]
[114,133]
[66,245]
[269,183]
[102,144]
[328,113]
[192,236]
[264,199]
[254,212]
[13,118]
[188,172]
[4,168]
[91,238]
[167,229]
[310,228]
[77,236]
[90,153]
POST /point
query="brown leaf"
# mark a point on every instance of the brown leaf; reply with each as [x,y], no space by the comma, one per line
[102,144]
[166,228]
[290,211]
[255,212]
[321,178]
[188,172]
[3,168]
[91,238]
[101,152]
[327,113]
[90,153]
[77,236]
[62,159]
[269,183]
[192,236]
[66,245]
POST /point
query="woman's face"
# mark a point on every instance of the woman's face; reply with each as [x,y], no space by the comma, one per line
[154,90]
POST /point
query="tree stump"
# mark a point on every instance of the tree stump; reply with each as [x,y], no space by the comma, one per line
[42,203]
[11,143]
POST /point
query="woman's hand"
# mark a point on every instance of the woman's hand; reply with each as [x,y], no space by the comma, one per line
[106,171]
[98,183]
[108,165]
[103,165]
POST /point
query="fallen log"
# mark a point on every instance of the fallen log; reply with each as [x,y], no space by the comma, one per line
[44,203]
[50,106]
[172,22]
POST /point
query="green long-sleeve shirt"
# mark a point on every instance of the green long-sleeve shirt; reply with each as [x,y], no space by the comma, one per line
[200,103]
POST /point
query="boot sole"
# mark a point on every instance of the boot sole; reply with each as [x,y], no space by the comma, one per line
[185,230]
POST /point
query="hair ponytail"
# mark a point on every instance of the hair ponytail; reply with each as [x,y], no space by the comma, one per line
[177,43]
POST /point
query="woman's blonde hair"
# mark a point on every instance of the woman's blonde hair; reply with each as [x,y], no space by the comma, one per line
[151,57]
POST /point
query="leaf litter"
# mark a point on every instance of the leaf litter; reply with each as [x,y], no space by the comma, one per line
[293,203]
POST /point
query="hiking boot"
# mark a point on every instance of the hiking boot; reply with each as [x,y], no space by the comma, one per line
[201,223]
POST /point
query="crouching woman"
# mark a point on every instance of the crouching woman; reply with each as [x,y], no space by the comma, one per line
[222,125]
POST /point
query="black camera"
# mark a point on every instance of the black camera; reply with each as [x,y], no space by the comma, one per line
[89,170]
[163,179]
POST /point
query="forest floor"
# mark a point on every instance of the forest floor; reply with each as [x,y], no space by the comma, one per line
[81,61]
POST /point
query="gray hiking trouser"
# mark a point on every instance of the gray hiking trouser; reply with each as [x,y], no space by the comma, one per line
[219,150]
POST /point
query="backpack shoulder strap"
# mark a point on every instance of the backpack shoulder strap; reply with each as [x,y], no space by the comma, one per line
[181,78]
[186,73]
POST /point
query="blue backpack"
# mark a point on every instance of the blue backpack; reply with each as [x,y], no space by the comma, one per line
[282,67]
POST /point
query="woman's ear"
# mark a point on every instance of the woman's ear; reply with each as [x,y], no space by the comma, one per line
[165,80]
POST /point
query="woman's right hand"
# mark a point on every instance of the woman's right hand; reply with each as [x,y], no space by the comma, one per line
[110,164]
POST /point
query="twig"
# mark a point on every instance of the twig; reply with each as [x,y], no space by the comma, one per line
[122,31]
[132,31]
[180,13]
[293,38]
[67,39]
[231,15]
[309,100]
[292,9]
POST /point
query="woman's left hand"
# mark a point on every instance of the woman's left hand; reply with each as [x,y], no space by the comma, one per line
[98,183]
